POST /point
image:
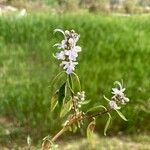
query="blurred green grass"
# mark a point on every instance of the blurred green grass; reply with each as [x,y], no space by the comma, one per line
[114,48]
[139,142]
[105,143]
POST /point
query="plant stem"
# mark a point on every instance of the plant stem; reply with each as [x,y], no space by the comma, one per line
[72,93]
[98,114]
[59,133]
[75,120]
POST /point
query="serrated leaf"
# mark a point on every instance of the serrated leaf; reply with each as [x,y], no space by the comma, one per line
[96,108]
[90,129]
[121,115]
[66,108]
[53,101]
[107,124]
[61,94]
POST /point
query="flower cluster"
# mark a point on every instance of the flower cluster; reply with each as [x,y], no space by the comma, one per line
[78,99]
[118,97]
[69,50]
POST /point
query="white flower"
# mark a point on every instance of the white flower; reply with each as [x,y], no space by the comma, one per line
[60,55]
[81,95]
[117,91]
[119,95]
[79,98]
[113,105]
[61,45]
[71,41]
[69,49]
[76,98]
[76,49]
[68,66]
[72,55]
[126,99]
[77,38]
[67,32]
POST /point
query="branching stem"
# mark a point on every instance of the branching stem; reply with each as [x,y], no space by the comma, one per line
[75,120]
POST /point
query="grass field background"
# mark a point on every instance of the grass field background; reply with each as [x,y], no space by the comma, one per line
[114,48]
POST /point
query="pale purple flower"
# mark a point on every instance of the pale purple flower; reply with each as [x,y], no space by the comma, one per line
[113,105]
[72,55]
[76,49]
[69,49]
[119,95]
[61,45]
[60,55]
[71,41]
[69,66]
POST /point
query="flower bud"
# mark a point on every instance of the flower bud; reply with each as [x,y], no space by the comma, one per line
[71,41]
[72,31]
[126,99]
[67,32]
[113,105]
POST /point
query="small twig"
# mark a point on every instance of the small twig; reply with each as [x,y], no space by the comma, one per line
[75,120]
[59,133]
[98,114]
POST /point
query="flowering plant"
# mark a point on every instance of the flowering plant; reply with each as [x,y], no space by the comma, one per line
[70,98]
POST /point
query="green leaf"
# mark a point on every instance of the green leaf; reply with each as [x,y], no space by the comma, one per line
[59,30]
[86,102]
[66,108]
[53,101]
[90,129]
[57,77]
[121,115]
[70,81]
[70,84]
[74,128]
[78,80]
[78,124]
[106,98]
[107,124]
[61,94]
[96,108]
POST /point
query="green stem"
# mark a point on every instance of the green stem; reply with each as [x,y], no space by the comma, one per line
[71,85]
